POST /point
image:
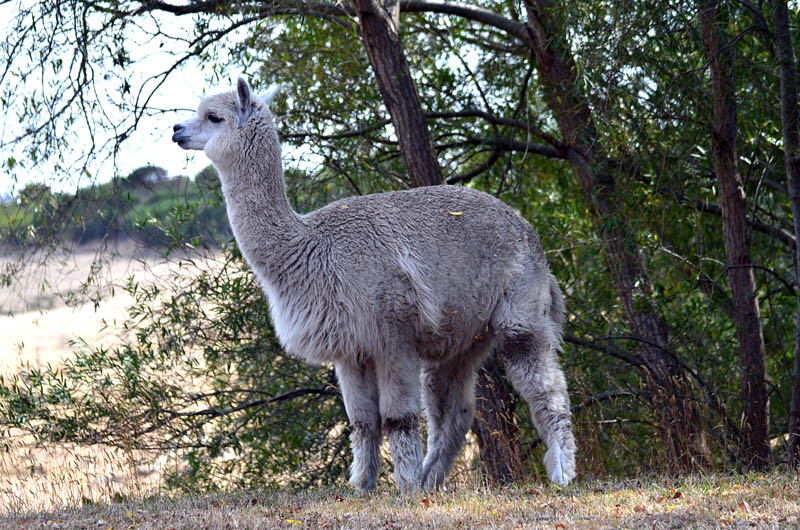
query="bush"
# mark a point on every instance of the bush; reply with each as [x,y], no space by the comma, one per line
[202,375]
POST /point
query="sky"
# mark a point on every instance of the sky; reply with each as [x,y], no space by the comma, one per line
[151,143]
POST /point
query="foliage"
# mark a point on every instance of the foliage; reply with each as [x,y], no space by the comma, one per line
[201,375]
[643,68]
[145,206]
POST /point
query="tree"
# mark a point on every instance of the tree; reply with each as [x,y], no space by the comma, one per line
[790,121]
[755,429]
[201,375]
[680,425]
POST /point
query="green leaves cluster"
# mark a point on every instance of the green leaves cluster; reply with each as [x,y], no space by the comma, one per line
[199,375]
[145,206]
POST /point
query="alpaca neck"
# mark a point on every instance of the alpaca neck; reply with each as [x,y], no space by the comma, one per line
[264,223]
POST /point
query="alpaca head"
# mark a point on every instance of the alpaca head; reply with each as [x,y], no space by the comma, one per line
[224,121]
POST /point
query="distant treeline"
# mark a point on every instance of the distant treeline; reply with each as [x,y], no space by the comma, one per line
[147,206]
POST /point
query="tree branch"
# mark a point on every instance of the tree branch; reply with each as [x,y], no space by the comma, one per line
[469,12]
[605,396]
[778,233]
[466,11]
[508,144]
[474,172]
[498,120]
[605,347]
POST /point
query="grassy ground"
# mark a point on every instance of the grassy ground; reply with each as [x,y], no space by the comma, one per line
[715,501]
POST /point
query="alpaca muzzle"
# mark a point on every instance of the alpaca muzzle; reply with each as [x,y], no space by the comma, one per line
[177,137]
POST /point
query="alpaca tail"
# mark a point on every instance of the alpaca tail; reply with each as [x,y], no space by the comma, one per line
[557,307]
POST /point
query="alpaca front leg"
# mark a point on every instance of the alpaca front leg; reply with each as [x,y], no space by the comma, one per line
[360,394]
[398,388]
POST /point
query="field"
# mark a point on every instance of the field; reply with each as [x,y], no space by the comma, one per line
[753,501]
[42,313]
[36,326]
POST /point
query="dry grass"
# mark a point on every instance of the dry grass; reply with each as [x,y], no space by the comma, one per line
[36,327]
[754,501]
[36,323]
[35,478]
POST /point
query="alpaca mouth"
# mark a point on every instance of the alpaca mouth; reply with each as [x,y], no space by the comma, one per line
[180,140]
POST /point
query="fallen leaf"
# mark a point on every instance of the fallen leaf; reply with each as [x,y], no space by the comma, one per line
[456,213]
[676,494]
[560,525]
[344,207]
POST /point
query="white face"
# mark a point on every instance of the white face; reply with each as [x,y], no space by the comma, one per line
[213,117]
[215,127]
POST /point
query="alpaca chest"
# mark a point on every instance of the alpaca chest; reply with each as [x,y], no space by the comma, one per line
[314,326]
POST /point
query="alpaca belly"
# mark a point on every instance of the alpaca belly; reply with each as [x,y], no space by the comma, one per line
[446,344]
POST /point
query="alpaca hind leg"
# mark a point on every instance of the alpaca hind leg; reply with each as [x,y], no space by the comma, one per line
[398,388]
[532,365]
[360,393]
[448,392]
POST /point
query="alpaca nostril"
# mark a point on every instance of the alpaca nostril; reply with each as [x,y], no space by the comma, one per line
[177,127]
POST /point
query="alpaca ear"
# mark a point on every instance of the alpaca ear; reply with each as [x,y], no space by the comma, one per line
[245,101]
[267,96]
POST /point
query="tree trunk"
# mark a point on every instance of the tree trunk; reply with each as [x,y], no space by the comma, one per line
[681,431]
[790,120]
[494,427]
[380,31]
[755,428]
[497,434]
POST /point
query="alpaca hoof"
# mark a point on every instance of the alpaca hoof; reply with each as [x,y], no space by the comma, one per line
[362,484]
[407,484]
[560,465]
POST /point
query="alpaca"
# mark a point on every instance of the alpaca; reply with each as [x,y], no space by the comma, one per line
[405,293]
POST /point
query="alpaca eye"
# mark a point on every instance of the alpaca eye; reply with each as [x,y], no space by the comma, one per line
[214,119]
